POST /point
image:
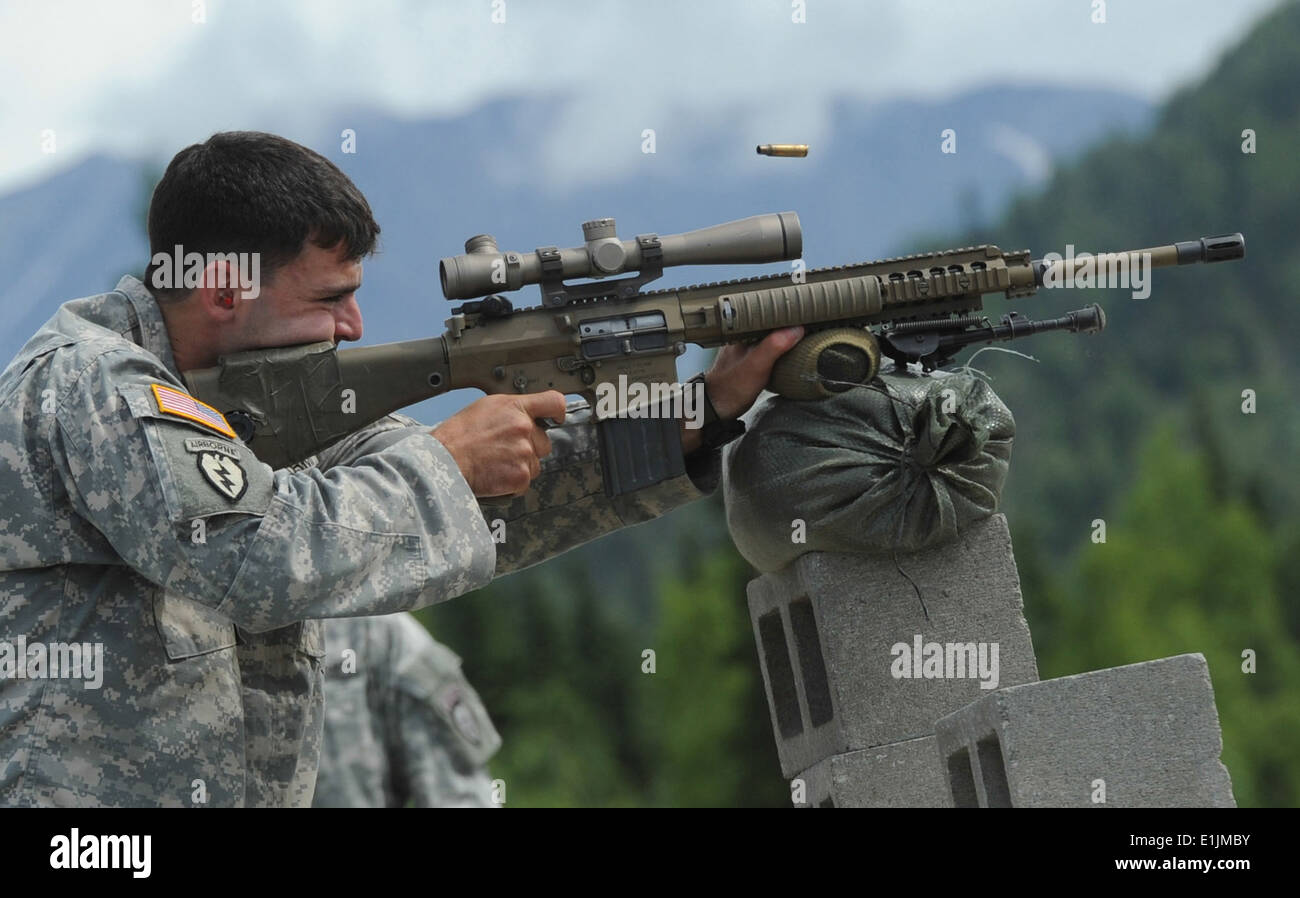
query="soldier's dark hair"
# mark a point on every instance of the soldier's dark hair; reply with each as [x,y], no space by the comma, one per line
[248,191]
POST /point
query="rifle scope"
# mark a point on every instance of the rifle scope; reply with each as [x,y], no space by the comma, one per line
[484,269]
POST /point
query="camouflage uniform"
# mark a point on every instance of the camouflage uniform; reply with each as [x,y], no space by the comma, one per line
[129,522]
[402,725]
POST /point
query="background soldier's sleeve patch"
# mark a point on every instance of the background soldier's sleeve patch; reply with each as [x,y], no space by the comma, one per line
[181,404]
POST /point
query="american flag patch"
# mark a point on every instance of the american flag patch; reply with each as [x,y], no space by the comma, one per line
[183,405]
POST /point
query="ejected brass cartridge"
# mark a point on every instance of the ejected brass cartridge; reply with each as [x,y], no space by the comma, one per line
[783,149]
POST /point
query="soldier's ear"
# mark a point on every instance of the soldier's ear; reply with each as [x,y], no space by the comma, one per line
[218,293]
[217,304]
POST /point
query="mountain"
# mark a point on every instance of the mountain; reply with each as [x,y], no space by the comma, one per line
[71,235]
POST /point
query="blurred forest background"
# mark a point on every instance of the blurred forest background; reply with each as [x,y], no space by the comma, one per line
[1142,426]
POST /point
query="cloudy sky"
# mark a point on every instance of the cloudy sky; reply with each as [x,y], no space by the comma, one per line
[145,77]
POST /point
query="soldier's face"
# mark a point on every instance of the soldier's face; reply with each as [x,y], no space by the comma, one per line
[310,299]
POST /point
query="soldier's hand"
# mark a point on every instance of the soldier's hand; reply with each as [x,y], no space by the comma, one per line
[497,443]
[739,373]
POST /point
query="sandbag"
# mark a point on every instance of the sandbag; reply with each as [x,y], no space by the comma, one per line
[901,464]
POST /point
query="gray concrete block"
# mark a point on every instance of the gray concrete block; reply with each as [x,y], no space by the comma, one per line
[899,775]
[836,634]
[1149,731]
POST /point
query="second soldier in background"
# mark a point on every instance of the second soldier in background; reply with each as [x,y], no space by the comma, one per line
[402,725]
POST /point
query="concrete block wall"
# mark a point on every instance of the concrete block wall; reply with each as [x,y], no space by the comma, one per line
[1140,736]
[900,774]
[829,630]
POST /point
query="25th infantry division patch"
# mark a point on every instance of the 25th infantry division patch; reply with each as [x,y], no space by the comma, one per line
[224,474]
[220,465]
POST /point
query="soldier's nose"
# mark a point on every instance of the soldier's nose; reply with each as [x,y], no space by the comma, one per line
[347,321]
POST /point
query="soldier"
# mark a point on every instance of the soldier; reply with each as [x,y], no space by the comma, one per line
[402,725]
[136,527]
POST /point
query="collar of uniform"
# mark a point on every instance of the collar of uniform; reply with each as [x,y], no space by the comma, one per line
[149,330]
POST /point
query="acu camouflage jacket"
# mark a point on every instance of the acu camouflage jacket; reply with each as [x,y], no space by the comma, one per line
[134,530]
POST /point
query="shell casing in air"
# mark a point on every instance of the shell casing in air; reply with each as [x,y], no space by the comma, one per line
[783,149]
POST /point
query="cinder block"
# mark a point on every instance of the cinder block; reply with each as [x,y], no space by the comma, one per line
[827,628]
[900,775]
[1148,731]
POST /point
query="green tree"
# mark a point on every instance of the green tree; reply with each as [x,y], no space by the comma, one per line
[713,743]
[1182,570]
[555,665]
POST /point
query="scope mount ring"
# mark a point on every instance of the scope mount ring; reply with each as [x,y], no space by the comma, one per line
[556,293]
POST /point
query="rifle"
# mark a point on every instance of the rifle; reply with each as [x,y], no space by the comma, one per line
[589,338]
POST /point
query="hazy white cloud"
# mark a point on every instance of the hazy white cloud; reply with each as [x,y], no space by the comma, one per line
[1032,158]
[141,77]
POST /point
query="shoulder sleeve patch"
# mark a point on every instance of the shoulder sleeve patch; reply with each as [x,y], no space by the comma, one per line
[181,404]
[200,470]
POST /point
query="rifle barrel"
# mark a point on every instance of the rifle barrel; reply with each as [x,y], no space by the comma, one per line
[1223,248]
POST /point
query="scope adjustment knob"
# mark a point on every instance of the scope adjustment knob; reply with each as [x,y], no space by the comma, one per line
[598,229]
[481,243]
